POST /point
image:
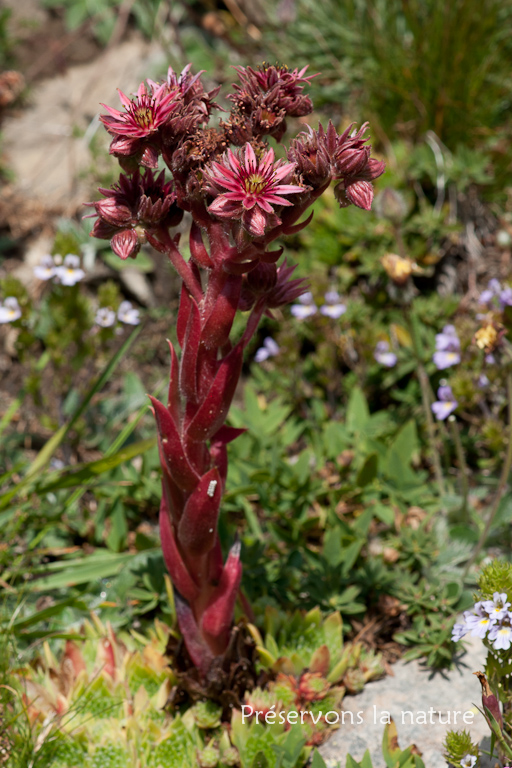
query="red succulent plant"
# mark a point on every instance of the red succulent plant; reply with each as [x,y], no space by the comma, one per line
[239,202]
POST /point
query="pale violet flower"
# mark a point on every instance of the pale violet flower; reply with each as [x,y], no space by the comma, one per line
[445,405]
[333,307]
[490,359]
[448,339]
[306,307]
[70,273]
[128,314]
[105,317]
[10,310]
[469,761]
[269,349]
[498,606]
[447,348]
[458,632]
[45,270]
[501,636]
[383,354]
[492,291]
[445,359]
[483,381]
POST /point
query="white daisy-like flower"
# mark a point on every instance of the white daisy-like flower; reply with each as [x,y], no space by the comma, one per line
[105,317]
[45,270]
[70,272]
[468,761]
[10,311]
[128,314]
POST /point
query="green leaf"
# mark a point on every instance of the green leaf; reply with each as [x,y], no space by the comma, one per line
[47,613]
[358,412]
[390,749]
[92,568]
[384,513]
[368,471]
[119,530]
[260,761]
[318,761]
[351,763]
[98,467]
[47,451]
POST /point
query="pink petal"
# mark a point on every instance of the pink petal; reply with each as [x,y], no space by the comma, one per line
[114,112]
[284,170]
[125,101]
[287,189]
[250,158]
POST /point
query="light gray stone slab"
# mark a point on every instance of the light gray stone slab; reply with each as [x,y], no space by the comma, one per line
[413,689]
[47,145]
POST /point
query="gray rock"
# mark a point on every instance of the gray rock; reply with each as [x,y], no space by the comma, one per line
[423,706]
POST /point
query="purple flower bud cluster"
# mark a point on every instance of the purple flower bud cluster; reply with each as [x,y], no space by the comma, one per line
[495,296]
[447,348]
[489,619]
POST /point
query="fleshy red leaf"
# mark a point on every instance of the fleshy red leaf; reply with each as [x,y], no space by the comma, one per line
[178,571]
[183,315]
[197,648]
[177,462]
[220,319]
[197,247]
[214,409]
[190,346]
[218,614]
[198,525]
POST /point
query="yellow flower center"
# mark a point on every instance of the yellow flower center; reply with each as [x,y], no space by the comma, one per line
[255,183]
[143,116]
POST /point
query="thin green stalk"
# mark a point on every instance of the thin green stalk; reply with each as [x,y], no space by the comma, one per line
[463,467]
[507,466]
[426,399]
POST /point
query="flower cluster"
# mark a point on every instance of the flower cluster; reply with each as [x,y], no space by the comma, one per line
[333,307]
[496,296]
[488,618]
[264,99]
[67,272]
[323,155]
[10,310]
[127,313]
[447,348]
